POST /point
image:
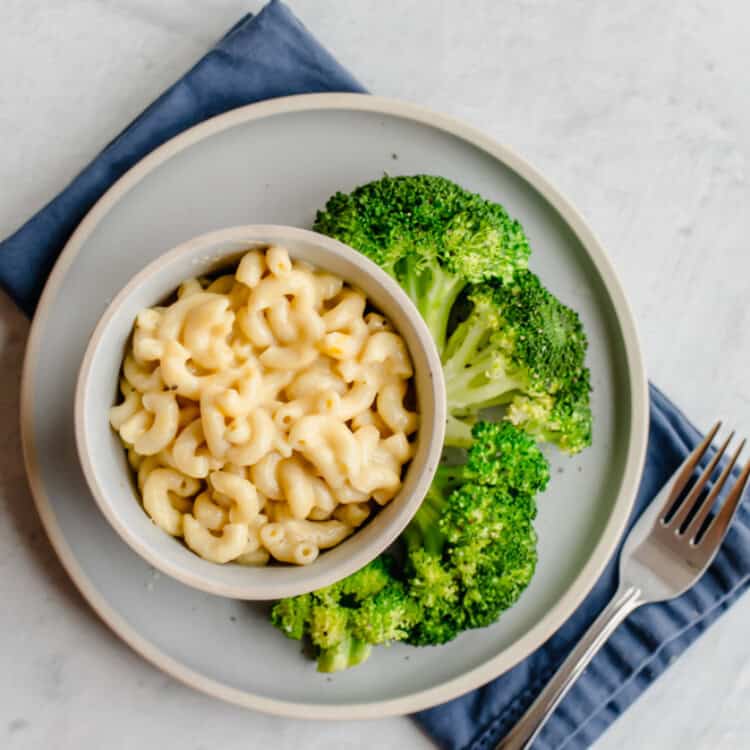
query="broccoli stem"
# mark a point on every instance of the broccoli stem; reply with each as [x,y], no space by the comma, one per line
[434,291]
[423,530]
[347,653]
[464,397]
[410,284]
[438,300]
[457,433]
[463,344]
[471,379]
[471,382]
[449,477]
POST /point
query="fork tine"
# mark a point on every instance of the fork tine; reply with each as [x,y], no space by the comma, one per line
[696,524]
[693,498]
[680,478]
[715,532]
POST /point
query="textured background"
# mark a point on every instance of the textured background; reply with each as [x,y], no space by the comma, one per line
[639,111]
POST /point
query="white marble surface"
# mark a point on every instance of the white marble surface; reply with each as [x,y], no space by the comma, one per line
[638,110]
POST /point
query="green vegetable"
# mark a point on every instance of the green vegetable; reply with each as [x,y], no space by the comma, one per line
[344,620]
[292,616]
[505,340]
[522,347]
[433,236]
[470,552]
[472,545]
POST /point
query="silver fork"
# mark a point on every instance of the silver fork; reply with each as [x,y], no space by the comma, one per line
[665,553]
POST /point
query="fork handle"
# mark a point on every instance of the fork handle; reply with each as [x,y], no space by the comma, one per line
[530,724]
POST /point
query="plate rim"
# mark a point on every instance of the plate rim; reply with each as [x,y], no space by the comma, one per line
[622,506]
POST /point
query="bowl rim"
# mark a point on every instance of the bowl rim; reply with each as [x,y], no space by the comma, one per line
[638,413]
[422,468]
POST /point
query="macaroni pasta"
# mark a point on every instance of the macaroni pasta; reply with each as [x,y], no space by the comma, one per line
[265,413]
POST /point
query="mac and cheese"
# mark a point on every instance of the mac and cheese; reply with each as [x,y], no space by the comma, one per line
[265,413]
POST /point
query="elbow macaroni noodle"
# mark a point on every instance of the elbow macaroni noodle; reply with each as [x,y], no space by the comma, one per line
[263,412]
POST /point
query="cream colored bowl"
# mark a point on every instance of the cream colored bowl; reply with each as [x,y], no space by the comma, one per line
[104,462]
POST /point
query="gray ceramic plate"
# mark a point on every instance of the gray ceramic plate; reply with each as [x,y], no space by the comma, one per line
[276,163]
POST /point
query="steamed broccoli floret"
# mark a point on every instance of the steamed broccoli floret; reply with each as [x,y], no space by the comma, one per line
[488,559]
[471,547]
[494,561]
[329,625]
[292,616]
[434,588]
[522,347]
[433,236]
[388,616]
[500,456]
[343,621]
[367,581]
[472,544]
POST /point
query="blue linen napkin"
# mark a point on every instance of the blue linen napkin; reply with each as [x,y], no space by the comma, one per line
[272,54]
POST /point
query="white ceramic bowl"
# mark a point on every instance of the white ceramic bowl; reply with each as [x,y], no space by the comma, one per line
[104,462]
